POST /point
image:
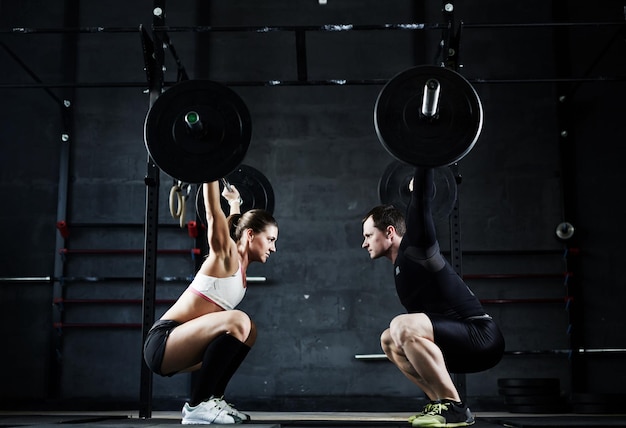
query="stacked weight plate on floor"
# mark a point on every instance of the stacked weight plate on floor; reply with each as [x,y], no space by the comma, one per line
[532,395]
[597,403]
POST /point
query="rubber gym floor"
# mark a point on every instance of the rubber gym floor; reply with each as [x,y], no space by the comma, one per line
[305,420]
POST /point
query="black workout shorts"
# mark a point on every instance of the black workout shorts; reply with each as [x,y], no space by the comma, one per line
[468,346]
[154,348]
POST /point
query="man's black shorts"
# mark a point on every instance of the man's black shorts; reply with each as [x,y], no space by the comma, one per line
[468,346]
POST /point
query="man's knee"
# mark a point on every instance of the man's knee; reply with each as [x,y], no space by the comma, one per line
[409,327]
[386,343]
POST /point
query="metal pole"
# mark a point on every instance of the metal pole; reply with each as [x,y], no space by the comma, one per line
[69,49]
[456,260]
[567,147]
[154,69]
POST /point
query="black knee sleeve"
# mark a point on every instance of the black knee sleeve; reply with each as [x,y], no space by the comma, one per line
[220,361]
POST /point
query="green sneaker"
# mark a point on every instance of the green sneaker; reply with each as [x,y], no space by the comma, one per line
[444,414]
[425,410]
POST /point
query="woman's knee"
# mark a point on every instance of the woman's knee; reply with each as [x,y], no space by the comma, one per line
[240,325]
[251,339]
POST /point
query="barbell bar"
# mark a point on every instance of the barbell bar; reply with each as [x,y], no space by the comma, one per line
[199,130]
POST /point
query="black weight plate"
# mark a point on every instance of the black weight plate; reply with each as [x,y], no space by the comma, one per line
[595,408]
[529,382]
[586,398]
[538,408]
[197,157]
[393,188]
[525,400]
[412,138]
[597,398]
[529,390]
[254,188]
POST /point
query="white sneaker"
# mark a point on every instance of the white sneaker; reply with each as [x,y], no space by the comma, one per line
[235,412]
[212,411]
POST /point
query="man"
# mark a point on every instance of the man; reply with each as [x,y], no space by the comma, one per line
[445,329]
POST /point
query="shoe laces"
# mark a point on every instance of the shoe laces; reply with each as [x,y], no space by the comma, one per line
[230,407]
[436,408]
[424,411]
[226,406]
[428,407]
[219,403]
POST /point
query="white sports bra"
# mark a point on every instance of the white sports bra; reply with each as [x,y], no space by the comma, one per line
[227,293]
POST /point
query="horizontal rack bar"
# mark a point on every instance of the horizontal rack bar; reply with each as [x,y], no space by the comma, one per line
[468,252]
[568,351]
[230,29]
[383,357]
[326,28]
[517,275]
[566,299]
[322,82]
[261,29]
[120,225]
[121,278]
[542,24]
[49,279]
[251,279]
[62,325]
[62,301]
[266,83]
[64,251]
[69,30]
[512,252]
[31,279]
[479,80]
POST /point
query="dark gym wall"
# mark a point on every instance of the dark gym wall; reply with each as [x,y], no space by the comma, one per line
[324,301]
[595,116]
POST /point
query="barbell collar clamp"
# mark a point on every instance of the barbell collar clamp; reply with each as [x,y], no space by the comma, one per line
[430,100]
[193,122]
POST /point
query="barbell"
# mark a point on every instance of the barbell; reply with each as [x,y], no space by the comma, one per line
[199,130]
[428,116]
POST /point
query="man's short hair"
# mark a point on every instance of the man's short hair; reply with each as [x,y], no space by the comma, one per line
[386,215]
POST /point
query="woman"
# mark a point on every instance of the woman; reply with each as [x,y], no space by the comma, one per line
[203,330]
